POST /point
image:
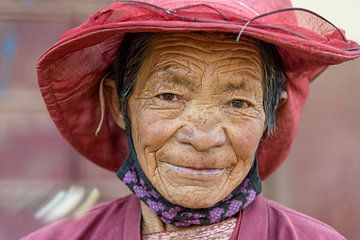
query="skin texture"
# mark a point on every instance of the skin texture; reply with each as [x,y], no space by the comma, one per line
[196,114]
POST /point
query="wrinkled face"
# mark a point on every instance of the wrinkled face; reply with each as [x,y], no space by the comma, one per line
[197,116]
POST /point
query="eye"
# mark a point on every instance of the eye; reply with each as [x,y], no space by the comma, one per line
[167,96]
[238,103]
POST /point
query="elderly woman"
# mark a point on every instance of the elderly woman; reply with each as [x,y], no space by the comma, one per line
[193,103]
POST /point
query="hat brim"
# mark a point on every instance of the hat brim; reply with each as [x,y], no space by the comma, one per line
[69,73]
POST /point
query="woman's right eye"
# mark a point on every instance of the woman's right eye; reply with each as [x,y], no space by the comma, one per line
[167,96]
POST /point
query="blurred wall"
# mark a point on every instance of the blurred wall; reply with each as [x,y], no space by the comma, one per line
[321,175]
[36,165]
[344,13]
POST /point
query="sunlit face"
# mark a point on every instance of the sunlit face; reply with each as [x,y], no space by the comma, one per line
[197,116]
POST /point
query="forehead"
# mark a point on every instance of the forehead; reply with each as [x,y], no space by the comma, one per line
[196,55]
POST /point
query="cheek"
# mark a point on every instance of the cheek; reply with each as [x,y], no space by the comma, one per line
[154,131]
[150,132]
[245,141]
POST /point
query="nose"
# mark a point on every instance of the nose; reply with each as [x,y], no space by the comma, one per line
[202,131]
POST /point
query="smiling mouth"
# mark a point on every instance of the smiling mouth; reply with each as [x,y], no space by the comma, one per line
[209,172]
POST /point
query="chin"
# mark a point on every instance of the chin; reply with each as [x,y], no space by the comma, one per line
[195,197]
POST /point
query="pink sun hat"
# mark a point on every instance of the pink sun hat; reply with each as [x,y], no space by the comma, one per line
[70,72]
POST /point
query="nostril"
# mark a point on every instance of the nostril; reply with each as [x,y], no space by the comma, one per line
[217,137]
[184,136]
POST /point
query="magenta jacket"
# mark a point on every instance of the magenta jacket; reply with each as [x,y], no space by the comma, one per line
[121,219]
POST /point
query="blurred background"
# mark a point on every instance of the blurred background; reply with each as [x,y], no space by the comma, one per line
[42,179]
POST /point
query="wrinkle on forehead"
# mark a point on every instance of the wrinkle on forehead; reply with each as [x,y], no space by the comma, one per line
[205,48]
[197,56]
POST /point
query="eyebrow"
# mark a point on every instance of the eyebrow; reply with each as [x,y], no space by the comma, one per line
[172,77]
[235,86]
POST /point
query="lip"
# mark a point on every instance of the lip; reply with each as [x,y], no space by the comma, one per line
[195,172]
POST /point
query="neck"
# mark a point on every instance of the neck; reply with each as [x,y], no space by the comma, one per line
[151,223]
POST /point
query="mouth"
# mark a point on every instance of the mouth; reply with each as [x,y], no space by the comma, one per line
[195,172]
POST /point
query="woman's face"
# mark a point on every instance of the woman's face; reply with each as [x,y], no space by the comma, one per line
[197,116]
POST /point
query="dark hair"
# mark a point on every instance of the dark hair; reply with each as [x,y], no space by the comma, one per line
[132,51]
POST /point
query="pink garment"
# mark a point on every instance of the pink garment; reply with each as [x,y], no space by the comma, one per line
[121,219]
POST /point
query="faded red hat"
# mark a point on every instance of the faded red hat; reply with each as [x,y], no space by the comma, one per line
[70,72]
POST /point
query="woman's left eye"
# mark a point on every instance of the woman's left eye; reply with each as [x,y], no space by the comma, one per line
[237,103]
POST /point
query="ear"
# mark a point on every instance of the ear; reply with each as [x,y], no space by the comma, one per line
[111,91]
[283,98]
